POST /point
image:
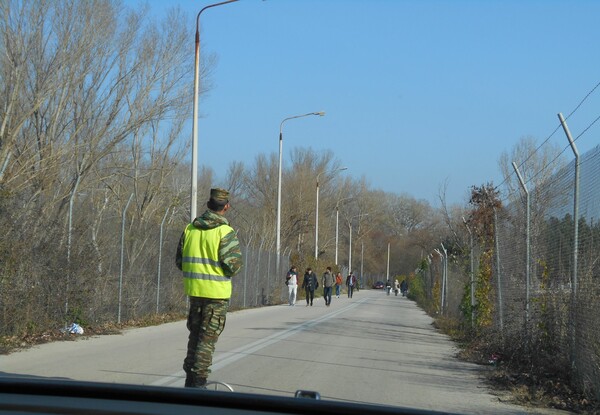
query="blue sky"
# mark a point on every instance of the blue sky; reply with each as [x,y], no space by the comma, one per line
[416,93]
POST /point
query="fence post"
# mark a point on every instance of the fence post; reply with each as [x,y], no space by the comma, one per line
[441,281]
[526,243]
[257,276]
[575,202]
[445,274]
[160,259]
[575,237]
[500,308]
[472,289]
[269,297]
[122,250]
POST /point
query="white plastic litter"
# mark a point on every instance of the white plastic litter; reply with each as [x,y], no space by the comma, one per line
[74,329]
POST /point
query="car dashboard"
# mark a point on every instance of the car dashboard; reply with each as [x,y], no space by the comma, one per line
[50,396]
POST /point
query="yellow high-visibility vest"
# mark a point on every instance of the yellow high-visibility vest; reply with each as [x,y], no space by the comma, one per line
[203,275]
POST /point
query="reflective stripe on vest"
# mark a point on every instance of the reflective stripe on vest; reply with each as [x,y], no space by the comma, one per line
[203,275]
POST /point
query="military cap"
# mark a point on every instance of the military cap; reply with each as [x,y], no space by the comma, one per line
[219,195]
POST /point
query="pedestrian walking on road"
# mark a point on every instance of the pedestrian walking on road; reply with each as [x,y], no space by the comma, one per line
[350,283]
[404,288]
[338,283]
[291,279]
[328,282]
[209,255]
[310,284]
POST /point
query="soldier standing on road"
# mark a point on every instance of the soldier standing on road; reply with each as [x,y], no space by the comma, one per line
[209,255]
[328,281]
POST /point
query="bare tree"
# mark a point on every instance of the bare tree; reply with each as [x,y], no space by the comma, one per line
[96,98]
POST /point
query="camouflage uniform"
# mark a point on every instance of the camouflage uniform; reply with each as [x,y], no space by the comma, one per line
[206,321]
[207,315]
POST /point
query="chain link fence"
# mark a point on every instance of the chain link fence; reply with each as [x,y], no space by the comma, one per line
[545,286]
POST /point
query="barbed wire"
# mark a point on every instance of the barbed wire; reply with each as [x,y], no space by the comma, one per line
[550,136]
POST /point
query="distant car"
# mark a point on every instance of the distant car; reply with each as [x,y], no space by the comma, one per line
[379,285]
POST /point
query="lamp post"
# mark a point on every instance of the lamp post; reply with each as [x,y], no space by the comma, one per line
[337,220]
[387,275]
[362,256]
[194,184]
[317,211]
[278,233]
[350,242]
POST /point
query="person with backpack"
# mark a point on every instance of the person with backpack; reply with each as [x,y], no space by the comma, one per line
[310,284]
[404,288]
[291,280]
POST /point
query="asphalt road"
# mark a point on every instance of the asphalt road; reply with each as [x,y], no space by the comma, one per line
[372,348]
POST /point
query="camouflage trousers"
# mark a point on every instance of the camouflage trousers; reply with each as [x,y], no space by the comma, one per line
[206,321]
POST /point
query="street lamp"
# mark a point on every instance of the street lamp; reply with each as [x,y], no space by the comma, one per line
[350,242]
[317,211]
[278,233]
[337,220]
[194,185]
[387,275]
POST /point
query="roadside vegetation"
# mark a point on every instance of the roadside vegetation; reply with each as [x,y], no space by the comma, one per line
[529,370]
[94,194]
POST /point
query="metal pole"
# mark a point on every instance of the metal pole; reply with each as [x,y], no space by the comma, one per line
[445,276]
[498,273]
[194,184]
[269,276]
[122,253]
[257,275]
[472,275]
[317,212]
[69,238]
[442,281]
[350,251]
[387,273]
[246,273]
[575,202]
[278,232]
[337,219]
[572,328]
[527,214]
[317,222]
[362,255]
[160,259]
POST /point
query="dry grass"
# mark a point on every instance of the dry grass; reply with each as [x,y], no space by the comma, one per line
[544,383]
[14,343]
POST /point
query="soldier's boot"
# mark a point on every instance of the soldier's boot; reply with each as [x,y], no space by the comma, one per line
[192,380]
